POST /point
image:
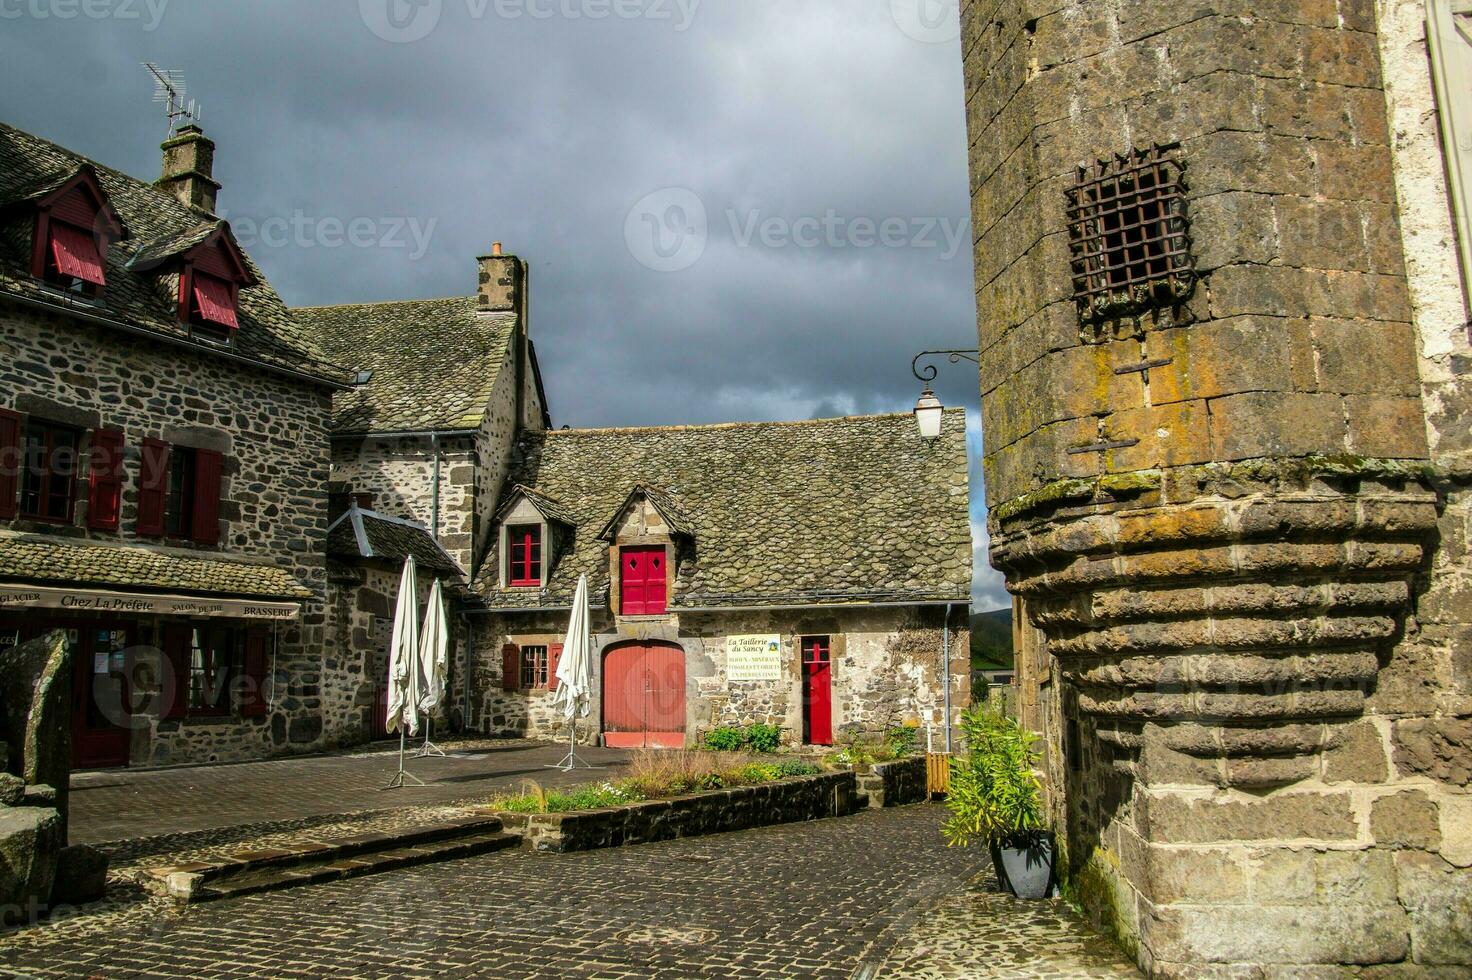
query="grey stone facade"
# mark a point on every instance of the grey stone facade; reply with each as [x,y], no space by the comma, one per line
[1236,523]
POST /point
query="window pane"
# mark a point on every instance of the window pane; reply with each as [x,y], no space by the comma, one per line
[533,667]
[179,503]
[50,473]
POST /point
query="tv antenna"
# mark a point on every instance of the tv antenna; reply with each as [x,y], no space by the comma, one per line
[169,89]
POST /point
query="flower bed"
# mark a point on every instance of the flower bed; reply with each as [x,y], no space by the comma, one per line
[790,800]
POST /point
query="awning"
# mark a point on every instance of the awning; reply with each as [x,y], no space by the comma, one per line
[102,600]
[76,254]
[216,304]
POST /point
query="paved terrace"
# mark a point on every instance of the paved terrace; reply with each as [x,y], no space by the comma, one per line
[877,894]
[128,804]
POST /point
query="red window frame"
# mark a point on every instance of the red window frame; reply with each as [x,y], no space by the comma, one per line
[643,580]
[105,480]
[816,649]
[524,556]
[535,661]
[48,485]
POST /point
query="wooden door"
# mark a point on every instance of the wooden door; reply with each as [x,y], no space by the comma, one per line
[100,695]
[817,691]
[644,696]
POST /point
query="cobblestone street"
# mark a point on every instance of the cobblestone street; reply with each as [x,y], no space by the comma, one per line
[826,899]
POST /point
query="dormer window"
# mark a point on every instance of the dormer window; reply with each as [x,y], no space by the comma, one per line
[211,302]
[75,224]
[524,556]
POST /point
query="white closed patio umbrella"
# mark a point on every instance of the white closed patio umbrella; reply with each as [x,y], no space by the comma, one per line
[434,662]
[574,694]
[404,673]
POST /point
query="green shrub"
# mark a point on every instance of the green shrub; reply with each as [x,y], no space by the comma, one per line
[764,738]
[796,767]
[725,739]
[995,795]
[903,739]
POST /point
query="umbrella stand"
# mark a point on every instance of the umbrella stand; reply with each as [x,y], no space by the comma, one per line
[428,748]
[572,760]
[402,778]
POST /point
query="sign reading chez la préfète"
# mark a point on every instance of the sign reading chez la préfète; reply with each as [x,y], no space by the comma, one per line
[754,658]
[90,600]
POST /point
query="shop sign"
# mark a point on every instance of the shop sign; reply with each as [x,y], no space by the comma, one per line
[754,658]
[94,600]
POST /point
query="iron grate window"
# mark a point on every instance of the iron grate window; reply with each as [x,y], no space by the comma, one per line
[1129,235]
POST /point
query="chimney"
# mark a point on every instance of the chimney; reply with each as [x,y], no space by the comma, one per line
[502,283]
[189,163]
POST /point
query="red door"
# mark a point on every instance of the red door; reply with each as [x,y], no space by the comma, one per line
[817,692]
[642,582]
[644,696]
[100,696]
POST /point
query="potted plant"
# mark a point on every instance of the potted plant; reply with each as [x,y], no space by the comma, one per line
[996,796]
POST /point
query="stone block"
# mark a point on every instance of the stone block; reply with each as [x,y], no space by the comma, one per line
[1406,820]
[1357,757]
[1321,234]
[1193,876]
[36,712]
[1386,427]
[30,840]
[1360,935]
[1439,900]
[81,876]
[1364,357]
[1437,748]
[1269,423]
[1170,818]
[1223,357]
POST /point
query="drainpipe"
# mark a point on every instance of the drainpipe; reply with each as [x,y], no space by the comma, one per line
[946,671]
[465,678]
[434,502]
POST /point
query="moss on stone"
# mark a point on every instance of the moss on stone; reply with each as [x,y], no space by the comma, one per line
[1096,890]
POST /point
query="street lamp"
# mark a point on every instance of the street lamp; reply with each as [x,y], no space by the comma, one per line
[928,410]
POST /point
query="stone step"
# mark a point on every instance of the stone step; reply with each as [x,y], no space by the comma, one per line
[309,860]
[276,879]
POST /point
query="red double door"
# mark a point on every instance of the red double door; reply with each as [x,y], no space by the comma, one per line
[644,696]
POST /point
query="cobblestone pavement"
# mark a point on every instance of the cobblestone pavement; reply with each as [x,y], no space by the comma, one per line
[825,899]
[123,804]
[978,932]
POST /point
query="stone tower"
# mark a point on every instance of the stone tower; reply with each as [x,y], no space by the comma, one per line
[1225,345]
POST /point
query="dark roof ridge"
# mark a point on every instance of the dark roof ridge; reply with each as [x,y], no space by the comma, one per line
[714,426]
[390,302]
[103,168]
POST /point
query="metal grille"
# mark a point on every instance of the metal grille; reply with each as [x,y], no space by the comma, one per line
[1129,235]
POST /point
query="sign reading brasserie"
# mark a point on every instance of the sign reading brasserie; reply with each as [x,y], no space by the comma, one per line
[754,658]
[91,600]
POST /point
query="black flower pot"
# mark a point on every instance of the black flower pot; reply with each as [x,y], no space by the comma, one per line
[1025,867]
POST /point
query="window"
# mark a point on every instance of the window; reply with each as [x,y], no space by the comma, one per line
[524,544]
[642,581]
[72,260]
[49,479]
[218,670]
[533,667]
[815,649]
[179,493]
[74,226]
[1129,235]
[210,302]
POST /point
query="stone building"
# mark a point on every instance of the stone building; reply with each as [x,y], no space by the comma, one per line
[806,574]
[163,460]
[841,544]
[1224,333]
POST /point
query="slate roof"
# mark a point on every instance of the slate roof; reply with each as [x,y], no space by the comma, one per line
[49,561]
[554,510]
[434,362]
[668,505]
[141,298]
[798,513]
[368,534]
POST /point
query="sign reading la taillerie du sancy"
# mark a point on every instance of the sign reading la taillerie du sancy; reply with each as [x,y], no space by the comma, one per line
[754,658]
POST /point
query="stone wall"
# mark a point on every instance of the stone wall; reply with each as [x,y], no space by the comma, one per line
[792,800]
[272,431]
[1236,524]
[886,669]
[898,783]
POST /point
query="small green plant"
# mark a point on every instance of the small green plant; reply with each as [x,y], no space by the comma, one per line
[796,767]
[995,795]
[903,739]
[764,738]
[725,739]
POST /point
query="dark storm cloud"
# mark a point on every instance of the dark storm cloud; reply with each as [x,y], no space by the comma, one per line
[825,144]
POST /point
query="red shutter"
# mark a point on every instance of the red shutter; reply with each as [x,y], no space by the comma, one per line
[655,592]
[642,582]
[10,453]
[76,254]
[257,664]
[206,497]
[511,667]
[554,654]
[105,476]
[153,488]
[177,639]
[215,299]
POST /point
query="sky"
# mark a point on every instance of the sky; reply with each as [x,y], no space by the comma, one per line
[732,209]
